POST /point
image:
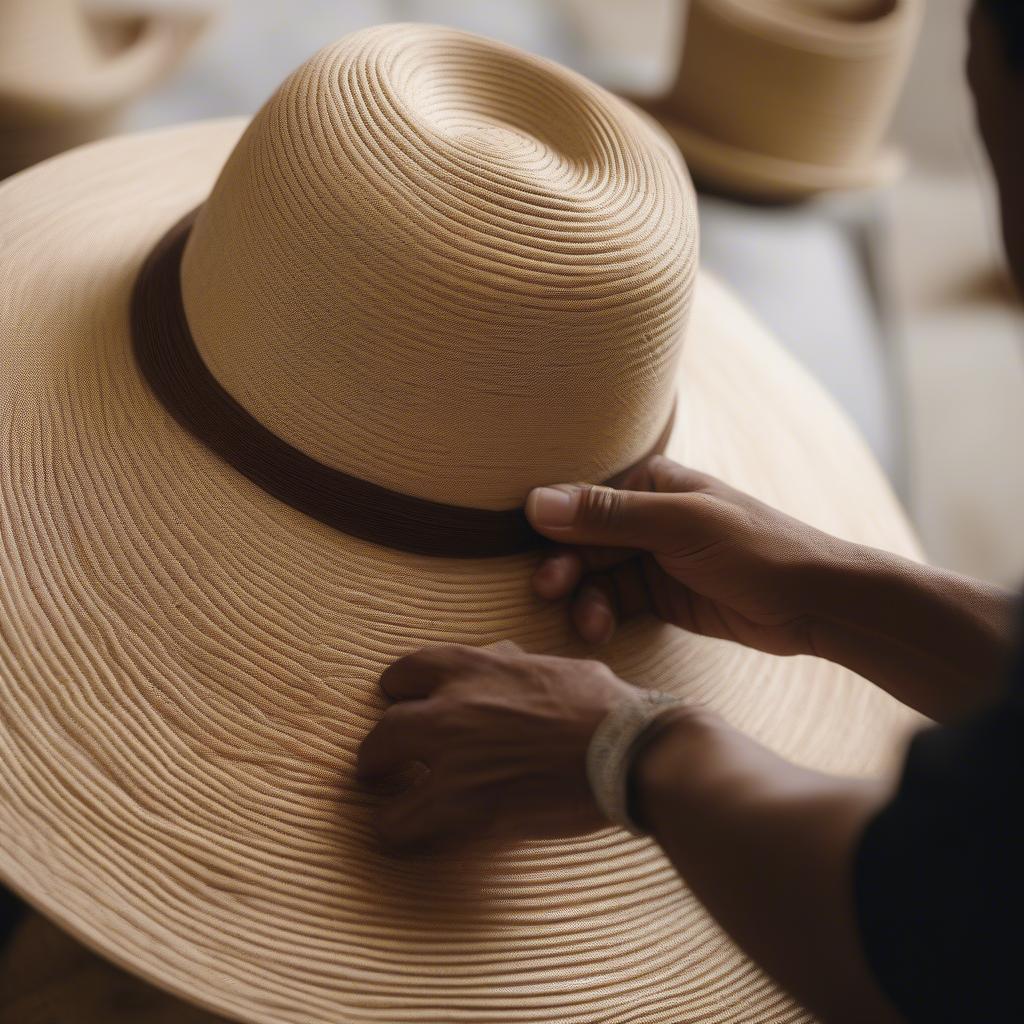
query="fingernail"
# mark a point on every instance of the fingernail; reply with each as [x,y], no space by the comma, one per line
[545,576]
[597,621]
[552,506]
[550,577]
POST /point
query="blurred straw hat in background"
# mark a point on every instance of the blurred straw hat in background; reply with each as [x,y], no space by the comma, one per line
[273,396]
[66,72]
[783,99]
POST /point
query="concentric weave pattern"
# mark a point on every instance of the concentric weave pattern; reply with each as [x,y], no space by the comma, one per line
[424,220]
[187,667]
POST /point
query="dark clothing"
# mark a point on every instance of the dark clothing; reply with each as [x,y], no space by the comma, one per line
[940,873]
[11,910]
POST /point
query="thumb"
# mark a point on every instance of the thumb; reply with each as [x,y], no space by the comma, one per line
[606,517]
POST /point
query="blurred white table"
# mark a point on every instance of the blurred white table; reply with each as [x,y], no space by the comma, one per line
[809,273]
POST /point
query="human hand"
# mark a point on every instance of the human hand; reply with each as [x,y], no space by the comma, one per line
[685,546]
[503,736]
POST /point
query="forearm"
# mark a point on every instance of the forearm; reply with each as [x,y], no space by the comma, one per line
[936,640]
[768,849]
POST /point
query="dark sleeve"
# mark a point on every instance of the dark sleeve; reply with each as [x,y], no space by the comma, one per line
[11,911]
[939,873]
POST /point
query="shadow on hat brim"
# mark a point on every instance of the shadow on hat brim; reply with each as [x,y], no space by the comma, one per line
[719,167]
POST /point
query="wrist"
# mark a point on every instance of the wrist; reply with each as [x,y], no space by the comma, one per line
[813,580]
[666,767]
[868,588]
[937,640]
[837,584]
[858,593]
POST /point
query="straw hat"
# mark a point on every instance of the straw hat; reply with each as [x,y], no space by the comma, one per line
[65,75]
[782,99]
[432,273]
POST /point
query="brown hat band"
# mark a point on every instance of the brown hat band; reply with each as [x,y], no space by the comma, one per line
[174,369]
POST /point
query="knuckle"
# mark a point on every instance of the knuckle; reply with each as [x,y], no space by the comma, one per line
[441,660]
[456,656]
[397,718]
[602,506]
[400,667]
[441,711]
[601,673]
[671,477]
[503,647]
[703,505]
[661,470]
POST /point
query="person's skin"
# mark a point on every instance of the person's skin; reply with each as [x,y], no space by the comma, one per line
[709,558]
[767,846]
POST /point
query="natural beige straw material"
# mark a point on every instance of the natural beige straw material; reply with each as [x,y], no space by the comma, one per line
[517,254]
[780,99]
[461,271]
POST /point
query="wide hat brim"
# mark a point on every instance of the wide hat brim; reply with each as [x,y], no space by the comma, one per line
[760,176]
[188,667]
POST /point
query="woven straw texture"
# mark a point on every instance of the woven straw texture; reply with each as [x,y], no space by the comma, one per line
[778,99]
[65,76]
[500,220]
[187,666]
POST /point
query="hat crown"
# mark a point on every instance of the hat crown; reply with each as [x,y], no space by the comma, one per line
[447,267]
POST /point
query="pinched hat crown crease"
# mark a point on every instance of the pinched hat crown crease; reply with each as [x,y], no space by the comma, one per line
[456,271]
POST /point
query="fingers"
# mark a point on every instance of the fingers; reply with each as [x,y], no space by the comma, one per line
[557,575]
[593,615]
[396,740]
[560,572]
[607,598]
[406,820]
[649,519]
[421,673]
[586,514]
[659,473]
[428,817]
[659,506]
[402,733]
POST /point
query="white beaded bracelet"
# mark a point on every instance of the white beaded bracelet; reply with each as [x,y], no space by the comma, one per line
[613,747]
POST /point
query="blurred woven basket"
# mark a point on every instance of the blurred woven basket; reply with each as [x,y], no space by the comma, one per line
[783,99]
[67,73]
